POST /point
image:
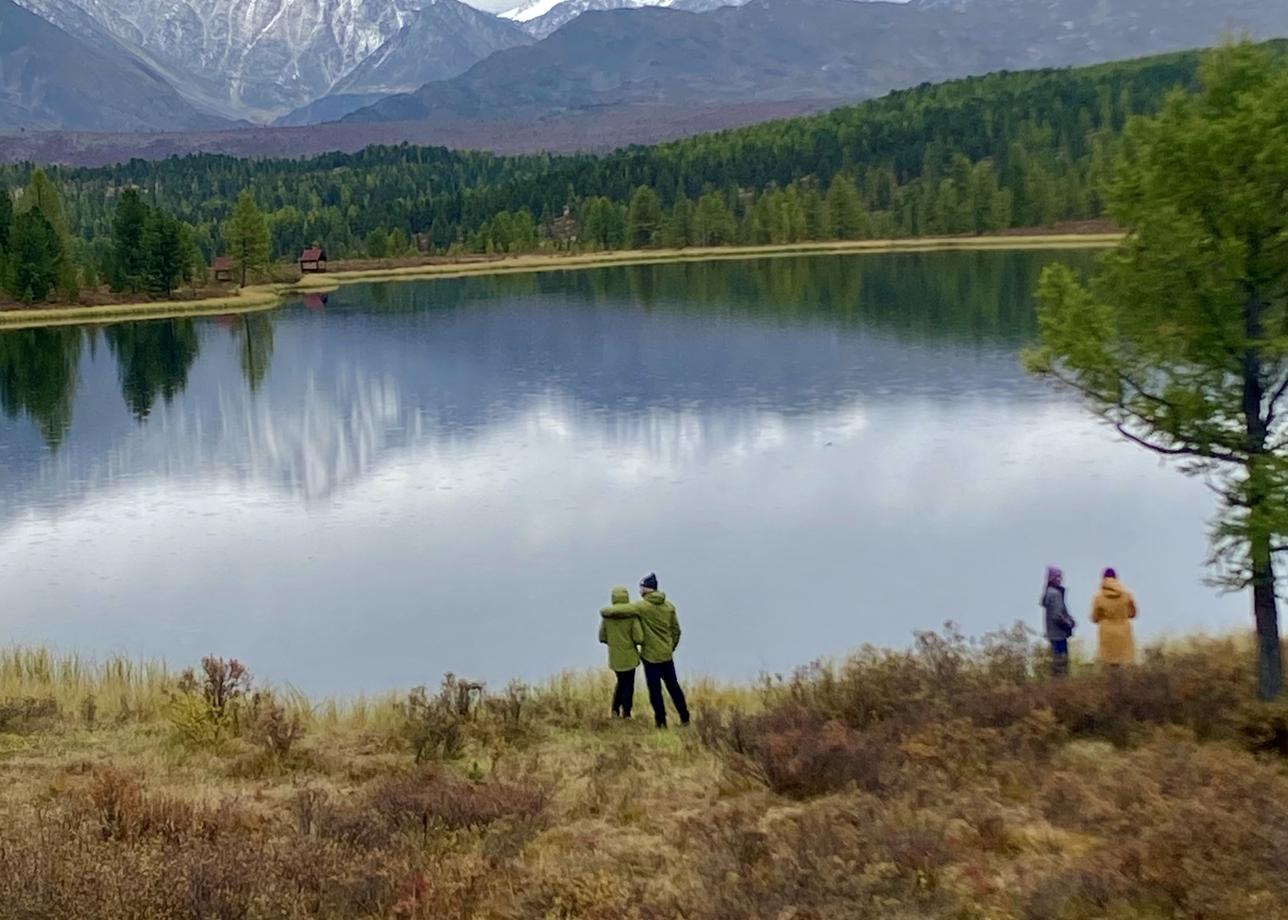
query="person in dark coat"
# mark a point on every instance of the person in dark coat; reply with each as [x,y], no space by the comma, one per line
[1059,623]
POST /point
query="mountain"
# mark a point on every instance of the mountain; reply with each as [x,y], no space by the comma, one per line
[329,108]
[542,17]
[261,58]
[775,50]
[444,39]
[50,79]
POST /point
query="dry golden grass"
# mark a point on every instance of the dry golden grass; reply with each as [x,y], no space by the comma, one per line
[950,781]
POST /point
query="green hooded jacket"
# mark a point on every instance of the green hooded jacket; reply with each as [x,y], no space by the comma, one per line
[661,625]
[622,634]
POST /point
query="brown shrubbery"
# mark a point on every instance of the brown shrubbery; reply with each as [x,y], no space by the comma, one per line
[952,782]
[869,720]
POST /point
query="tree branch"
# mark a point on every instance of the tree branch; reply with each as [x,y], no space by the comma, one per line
[1274,403]
[1205,453]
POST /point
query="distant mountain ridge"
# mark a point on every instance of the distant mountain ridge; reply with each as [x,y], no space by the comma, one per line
[467,78]
[776,50]
[260,58]
[48,77]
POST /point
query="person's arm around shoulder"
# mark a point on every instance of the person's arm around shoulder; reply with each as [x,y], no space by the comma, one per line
[619,611]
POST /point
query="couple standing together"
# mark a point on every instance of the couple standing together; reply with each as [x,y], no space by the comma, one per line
[1112,611]
[646,630]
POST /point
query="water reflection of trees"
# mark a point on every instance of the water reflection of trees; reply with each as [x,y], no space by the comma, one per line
[965,296]
[254,332]
[40,368]
[38,374]
[972,297]
[153,360]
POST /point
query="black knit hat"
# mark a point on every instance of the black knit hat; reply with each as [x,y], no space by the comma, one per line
[649,581]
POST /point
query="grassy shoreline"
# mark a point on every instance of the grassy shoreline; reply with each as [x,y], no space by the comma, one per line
[950,781]
[269,296]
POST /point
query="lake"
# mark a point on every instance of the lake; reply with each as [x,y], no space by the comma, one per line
[366,490]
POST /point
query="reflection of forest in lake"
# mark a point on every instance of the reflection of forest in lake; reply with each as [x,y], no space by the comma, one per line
[973,297]
[40,369]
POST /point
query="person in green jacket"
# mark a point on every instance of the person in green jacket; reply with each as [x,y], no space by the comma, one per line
[623,635]
[661,638]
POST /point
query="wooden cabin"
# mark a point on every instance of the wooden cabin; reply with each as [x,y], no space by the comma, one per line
[313,260]
[223,268]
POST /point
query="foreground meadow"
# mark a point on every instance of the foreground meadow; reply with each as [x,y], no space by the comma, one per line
[953,780]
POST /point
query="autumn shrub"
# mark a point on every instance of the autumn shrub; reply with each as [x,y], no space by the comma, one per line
[799,752]
[273,727]
[1191,831]
[1264,727]
[25,715]
[117,849]
[950,704]
[420,804]
[206,708]
[436,726]
[851,857]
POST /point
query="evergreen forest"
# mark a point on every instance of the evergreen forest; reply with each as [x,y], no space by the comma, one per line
[985,154]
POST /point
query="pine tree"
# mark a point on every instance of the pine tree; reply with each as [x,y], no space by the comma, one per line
[165,256]
[194,260]
[377,244]
[713,224]
[6,219]
[37,255]
[643,219]
[42,195]
[844,209]
[129,256]
[248,238]
[675,230]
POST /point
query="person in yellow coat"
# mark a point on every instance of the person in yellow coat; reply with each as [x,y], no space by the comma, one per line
[1113,610]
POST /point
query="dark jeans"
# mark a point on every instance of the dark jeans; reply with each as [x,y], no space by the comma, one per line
[655,675]
[1059,657]
[624,693]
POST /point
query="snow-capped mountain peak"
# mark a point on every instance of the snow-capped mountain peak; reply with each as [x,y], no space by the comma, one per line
[533,9]
[542,17]
[246,58]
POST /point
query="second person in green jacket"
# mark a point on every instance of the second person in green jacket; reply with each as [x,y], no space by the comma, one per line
[620,630]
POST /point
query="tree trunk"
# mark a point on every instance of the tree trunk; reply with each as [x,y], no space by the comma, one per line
[1265,607]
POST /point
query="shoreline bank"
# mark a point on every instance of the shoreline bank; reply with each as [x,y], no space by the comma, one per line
[269,296]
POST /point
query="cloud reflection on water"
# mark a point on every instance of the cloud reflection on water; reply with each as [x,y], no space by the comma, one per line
[419,476]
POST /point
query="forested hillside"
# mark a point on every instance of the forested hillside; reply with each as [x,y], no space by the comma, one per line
[976,155]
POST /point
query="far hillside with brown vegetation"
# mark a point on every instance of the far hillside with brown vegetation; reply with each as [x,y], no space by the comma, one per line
[952,780]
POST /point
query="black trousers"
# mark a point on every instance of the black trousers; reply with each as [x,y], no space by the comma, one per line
[624,693]
[655,675]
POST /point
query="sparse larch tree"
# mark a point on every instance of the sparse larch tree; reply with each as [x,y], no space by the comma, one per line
[1181,339]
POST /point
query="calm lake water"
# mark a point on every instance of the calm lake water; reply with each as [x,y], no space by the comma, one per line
[406,479]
